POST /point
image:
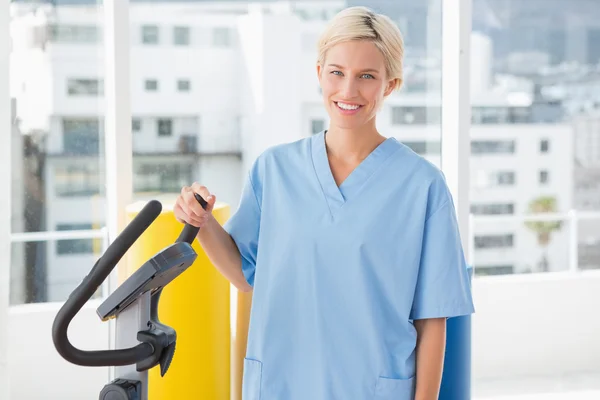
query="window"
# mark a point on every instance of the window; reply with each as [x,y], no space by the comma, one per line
[416,115]
[424,148]
[486,179]
[489,115]
[161,177]
[73,34]
[74,246]
[81,136]
[537,126]
[520,115]
[493,241]
[317,125]
[589,253]
[151,85]
[504,178]
[57,70]
[493,209]
[165,127]
[188,144]
[183,85]
[85,87]
[181,36]
[76,179]
[136,124]
[221,37]
[492,147]
[489,270]
[150,34]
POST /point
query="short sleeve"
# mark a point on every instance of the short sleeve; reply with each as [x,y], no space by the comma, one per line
[443,286]
[244,226]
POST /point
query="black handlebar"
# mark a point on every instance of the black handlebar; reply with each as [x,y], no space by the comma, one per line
[189,232]
[86,289]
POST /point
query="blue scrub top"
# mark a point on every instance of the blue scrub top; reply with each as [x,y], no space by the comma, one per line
[339,274]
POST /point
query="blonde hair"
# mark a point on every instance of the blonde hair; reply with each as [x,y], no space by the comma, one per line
[361,23]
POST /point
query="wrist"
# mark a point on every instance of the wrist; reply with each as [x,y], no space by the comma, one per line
[207,226]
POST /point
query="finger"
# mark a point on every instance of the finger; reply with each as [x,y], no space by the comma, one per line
[179,209]
[187,214]
[186,218]
[211,200]
[195,209]
[177,213]
[198,221]
[203,192]
[180,202]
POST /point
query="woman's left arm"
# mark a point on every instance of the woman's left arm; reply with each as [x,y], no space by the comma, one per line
[431,344]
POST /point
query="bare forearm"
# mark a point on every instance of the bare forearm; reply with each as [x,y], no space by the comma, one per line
[431,343]
[223,253]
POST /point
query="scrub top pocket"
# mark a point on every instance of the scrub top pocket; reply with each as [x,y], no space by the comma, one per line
[395,389]
[252,378]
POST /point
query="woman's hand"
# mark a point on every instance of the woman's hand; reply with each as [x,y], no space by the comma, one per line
[188,210]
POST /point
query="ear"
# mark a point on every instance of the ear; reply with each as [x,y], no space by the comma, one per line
[390,86]
[319,70]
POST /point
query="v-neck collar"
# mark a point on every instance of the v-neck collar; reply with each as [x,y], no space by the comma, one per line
[336,196]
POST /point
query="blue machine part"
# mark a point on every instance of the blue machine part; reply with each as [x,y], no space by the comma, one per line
[456,378]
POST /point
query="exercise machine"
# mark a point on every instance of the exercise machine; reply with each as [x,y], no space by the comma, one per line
[133,306]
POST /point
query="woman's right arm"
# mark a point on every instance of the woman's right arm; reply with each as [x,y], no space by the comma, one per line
[218,245]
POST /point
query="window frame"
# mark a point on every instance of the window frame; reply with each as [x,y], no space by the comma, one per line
[5,201]
[455,150]
[456,110]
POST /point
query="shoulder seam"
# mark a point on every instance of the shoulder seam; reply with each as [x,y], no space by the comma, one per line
[254,191]
[444,204]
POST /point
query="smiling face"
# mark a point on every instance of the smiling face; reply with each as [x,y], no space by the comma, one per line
[354,83]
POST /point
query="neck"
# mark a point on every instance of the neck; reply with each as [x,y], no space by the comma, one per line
[352,144]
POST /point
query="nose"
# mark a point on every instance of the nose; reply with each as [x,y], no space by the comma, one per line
[349,88]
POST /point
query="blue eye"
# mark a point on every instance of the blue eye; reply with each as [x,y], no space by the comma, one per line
[369,76]
[336,72]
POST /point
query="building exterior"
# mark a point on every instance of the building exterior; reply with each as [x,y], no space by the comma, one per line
[17,270]
[212,87]
[587,186]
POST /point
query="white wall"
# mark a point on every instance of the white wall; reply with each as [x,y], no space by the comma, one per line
[37,371]
[524,326]
[536,325]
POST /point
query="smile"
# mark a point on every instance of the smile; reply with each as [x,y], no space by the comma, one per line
[347,108]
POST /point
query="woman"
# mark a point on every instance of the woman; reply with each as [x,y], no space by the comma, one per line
[348,240]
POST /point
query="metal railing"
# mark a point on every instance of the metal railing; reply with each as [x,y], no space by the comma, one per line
[49,236]
[572,217]
[61,235]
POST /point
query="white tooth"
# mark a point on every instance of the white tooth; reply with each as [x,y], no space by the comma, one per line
[347,106]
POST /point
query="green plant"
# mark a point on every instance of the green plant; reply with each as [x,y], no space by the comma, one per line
[543,229]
